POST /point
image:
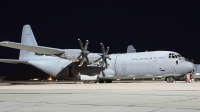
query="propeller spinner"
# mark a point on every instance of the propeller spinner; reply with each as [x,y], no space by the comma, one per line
[84,52]
[104,56]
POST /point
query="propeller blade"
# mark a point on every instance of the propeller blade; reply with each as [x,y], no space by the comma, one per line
[107,50]
[82,60]
[103,74]
[79,56]
[102,47]
[102,63]
[86,44]
[81,44]
[87,60]
[106,63]
[98,59]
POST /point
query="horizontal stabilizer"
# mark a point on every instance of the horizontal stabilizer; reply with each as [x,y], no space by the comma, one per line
[13,61]
[36,49]
[51,66]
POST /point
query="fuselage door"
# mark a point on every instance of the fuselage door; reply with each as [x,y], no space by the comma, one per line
[123,66]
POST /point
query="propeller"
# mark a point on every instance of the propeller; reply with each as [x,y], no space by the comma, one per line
[104,56]
[84,52]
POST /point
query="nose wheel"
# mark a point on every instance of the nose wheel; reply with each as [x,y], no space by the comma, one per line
[170,79]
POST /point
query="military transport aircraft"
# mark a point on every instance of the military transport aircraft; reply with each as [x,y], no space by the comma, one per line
[74,64]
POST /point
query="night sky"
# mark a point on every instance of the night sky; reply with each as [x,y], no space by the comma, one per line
[172,25]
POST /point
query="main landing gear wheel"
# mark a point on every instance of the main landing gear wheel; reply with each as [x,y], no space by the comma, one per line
[108,81]
[170,79]
[101,81]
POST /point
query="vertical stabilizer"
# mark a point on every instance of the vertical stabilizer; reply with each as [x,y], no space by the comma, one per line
[28,38]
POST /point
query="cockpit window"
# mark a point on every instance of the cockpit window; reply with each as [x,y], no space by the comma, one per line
[170,55]
[177,56]
[173,55]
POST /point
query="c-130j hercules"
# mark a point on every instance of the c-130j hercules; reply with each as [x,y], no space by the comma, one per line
[74,64]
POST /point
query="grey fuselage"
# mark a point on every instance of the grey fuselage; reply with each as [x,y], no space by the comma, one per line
[140,64]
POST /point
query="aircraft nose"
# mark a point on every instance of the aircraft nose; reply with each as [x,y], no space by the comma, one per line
[189,66]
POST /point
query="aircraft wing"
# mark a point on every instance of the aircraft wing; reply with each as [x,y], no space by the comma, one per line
[36,49]
[13,61]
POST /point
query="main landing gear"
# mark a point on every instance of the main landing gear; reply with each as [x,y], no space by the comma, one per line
[169,79]
[106,81]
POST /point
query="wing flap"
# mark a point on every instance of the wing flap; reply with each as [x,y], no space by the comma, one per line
[13,61]
[36,49]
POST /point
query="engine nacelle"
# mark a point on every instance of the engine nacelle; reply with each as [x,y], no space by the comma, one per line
[88,78]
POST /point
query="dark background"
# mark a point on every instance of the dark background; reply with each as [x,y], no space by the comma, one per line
[171,25]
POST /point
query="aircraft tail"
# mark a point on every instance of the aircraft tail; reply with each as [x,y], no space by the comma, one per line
[27,38]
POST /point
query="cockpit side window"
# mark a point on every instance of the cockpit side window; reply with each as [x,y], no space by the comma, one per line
[170,55]
[173,56]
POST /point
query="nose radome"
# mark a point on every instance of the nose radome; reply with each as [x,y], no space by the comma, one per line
[187,67]
[191,66]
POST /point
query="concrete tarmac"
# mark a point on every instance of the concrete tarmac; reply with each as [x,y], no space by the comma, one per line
[113,97]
